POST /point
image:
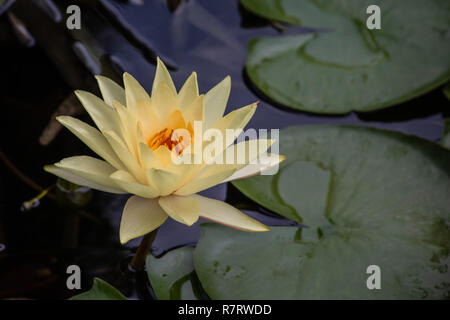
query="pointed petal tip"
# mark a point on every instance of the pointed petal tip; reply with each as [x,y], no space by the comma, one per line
[194,75]
[122,239]
[128,80]
[101,78]
[225,214]
[256,225]
[160,64]
[64,119]
[82,94]
[127,77]
[252,108]
[259,228]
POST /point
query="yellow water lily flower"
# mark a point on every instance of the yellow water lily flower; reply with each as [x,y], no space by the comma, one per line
[136,141]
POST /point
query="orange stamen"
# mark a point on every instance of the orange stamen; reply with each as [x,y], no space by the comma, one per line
[169,138]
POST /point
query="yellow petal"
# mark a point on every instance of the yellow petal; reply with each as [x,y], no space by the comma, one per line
[140,216]
[140,136]
[89,168]
[182,209]
[125,156]
[195,110]
[221,212]
[213,176]
[244,152]
[175,120]
[128,183]
[147,116]
[110,90]
[70,176]
[217,173]
[162,76]
[148,157]
[92,138]
[216,101]
[102,114]
[188,92]
[127,123]
[164,101]
[164,180]
[235,120]
[164,155]
[134,92]
[257,168]
[185,171]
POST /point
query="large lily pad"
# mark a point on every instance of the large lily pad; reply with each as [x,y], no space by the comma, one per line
[375,198]
[101,290]
[347,66]
[172,276]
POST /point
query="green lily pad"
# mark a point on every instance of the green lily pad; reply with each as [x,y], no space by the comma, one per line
[349,67]
[172,276]
[101,290]
[310,195]
[376,198]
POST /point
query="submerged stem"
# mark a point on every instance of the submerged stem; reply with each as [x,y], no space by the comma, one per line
[138,261]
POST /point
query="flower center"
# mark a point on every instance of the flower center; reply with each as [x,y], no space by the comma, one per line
[164,137]
[169,138]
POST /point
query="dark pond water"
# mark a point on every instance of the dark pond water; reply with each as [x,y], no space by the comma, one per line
[210,37]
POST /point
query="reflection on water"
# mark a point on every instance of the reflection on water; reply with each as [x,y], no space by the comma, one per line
[207,36]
